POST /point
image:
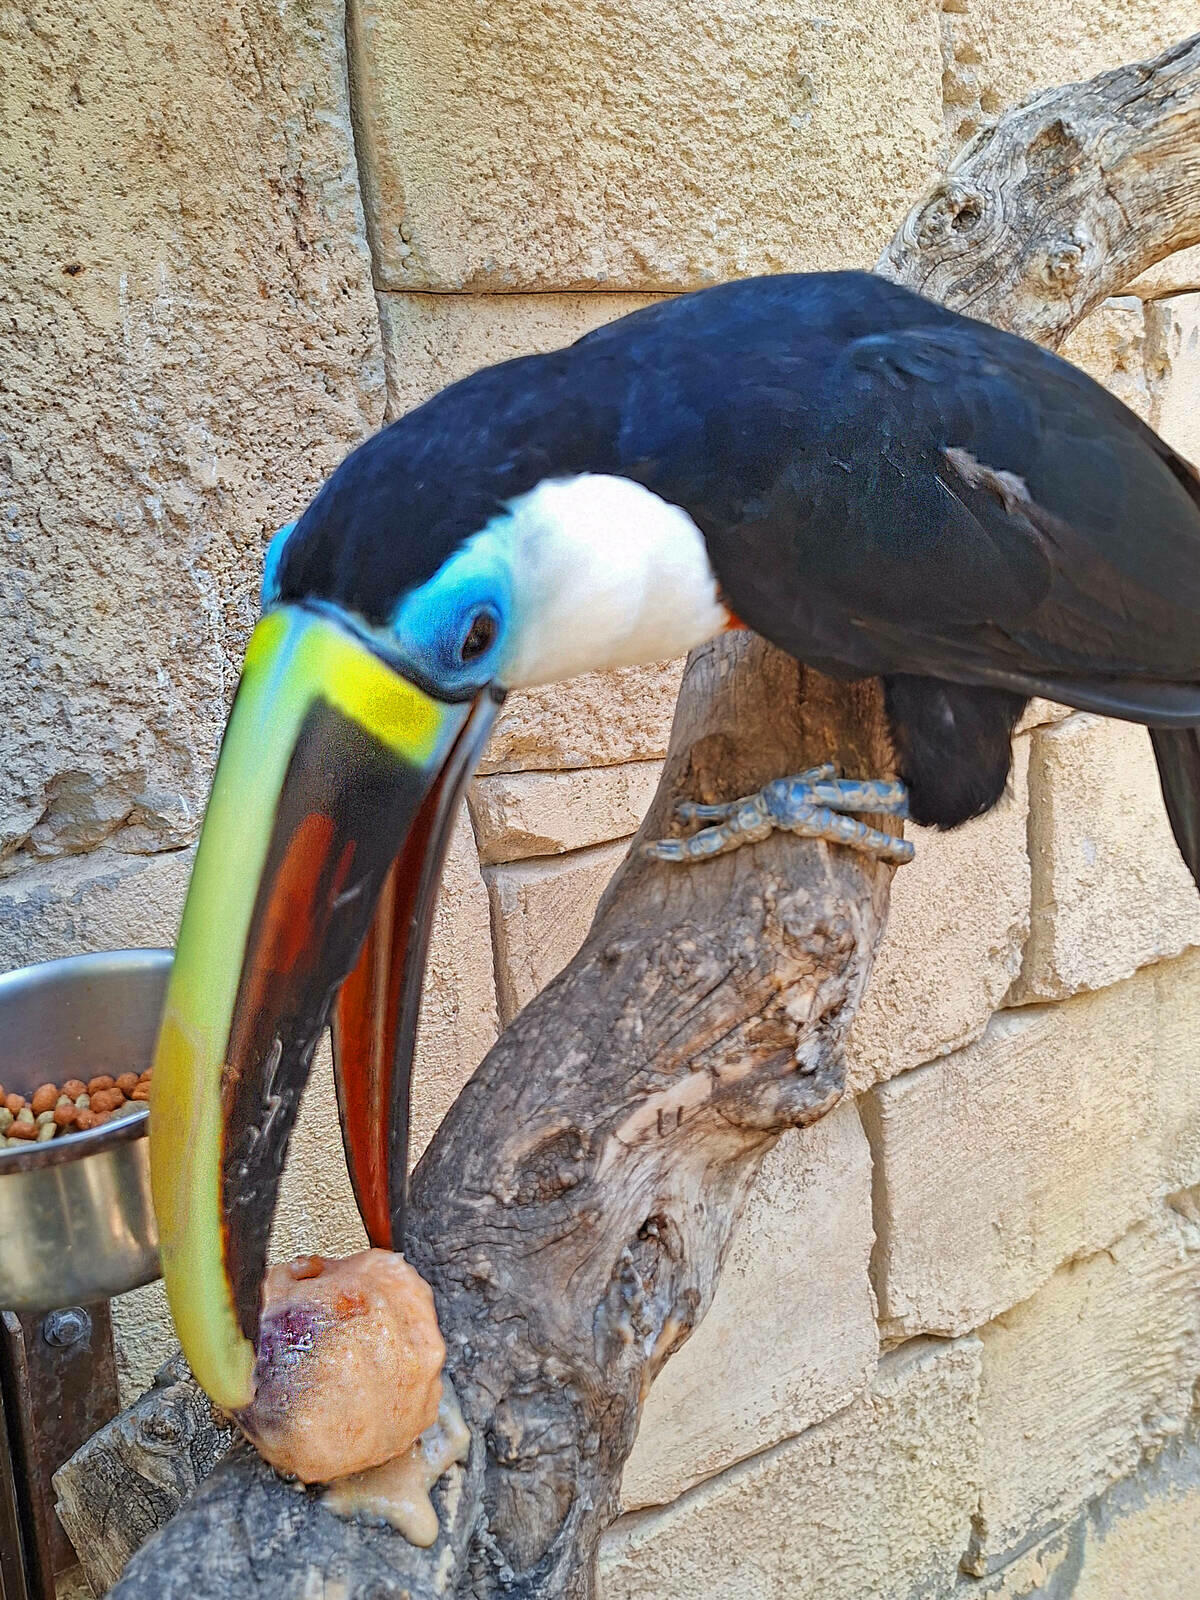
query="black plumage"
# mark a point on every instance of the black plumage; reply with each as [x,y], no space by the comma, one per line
[885,487]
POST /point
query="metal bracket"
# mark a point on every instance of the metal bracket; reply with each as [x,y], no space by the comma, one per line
[58,1385]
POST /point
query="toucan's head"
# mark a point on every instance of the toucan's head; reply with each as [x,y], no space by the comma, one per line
[397,612]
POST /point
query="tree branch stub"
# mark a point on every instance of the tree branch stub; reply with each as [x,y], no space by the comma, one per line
[1064,201]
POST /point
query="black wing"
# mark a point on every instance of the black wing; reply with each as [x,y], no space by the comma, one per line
[970,507]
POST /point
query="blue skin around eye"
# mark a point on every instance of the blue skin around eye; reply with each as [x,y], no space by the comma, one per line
[430,624]
[270,579]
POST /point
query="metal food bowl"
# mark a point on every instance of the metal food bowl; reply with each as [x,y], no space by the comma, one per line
[76,1222]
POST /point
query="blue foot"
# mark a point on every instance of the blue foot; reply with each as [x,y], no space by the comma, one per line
[813,804]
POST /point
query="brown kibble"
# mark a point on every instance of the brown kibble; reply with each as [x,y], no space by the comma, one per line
[104,1081]
[66,1116]
[74,1087]
[86,1119]
[127,1082]
[23,1130]
[107,1099]
[144,1077]
[45,1098]
[141,1093]
[15,1102]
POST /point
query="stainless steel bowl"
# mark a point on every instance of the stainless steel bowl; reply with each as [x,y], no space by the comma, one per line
[76,1223]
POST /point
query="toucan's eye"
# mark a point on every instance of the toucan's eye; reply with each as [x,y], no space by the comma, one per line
[480,638]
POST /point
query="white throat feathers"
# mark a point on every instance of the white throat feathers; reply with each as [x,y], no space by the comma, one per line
[605,574]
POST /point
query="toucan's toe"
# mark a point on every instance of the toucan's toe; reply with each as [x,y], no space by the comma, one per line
[814,805]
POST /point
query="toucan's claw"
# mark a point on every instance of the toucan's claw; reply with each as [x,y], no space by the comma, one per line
[693,811]
[813,804]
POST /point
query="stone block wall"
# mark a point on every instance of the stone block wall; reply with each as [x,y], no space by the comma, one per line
[957,1342]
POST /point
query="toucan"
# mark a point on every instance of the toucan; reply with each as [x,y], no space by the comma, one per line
[878,486]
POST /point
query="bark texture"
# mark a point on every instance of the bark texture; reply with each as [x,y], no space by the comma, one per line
[574,1209]
[1064,201]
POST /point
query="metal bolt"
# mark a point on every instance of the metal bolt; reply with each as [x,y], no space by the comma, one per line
[66,1327]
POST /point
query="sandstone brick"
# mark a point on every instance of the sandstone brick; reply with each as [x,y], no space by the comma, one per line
[458,1008]
[1110,890]
[73,1585]
[1086,1377]
[1177,416]
[541,911]
[1112,344]
[1044,1140]
[431,340]
[102,901]
[1048,1567]
[1149,356]
[1143,1538]
[1176,1079]
[598,720]
[875,1501]
[547,813]
[1140,1537]
[316,1211]
[568,146]
[952,947]
[1178,274]
[790,1336]
[143,1338]
[1040,713]
[192,343]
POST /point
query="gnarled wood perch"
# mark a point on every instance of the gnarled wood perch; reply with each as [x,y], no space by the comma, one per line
[1065,201]
[573,1211]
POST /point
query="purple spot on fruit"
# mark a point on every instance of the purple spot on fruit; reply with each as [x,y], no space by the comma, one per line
[287,1339]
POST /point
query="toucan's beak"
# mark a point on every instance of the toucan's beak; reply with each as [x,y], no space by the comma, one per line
[312,893]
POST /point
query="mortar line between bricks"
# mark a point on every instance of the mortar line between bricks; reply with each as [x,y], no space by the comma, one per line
[662,291]
[358,144]
[732,1472]
[519,294]
[872,1125]
[23,865]
[493,914]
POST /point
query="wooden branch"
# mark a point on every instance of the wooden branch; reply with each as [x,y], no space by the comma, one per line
[166,1445]
[1065,201]
[581,1242]
[573,1211]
